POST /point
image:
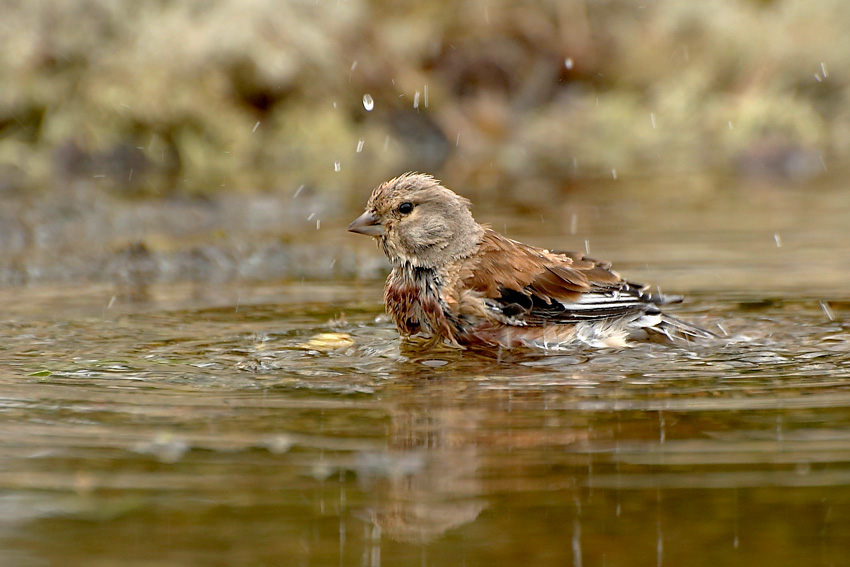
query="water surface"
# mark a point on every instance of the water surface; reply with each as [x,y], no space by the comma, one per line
[283,423]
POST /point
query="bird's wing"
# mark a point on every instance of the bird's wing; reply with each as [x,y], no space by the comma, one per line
[524,285]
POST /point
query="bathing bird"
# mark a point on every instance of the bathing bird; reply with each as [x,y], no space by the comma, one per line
[459,282]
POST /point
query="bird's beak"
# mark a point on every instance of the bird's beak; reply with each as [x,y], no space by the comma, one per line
[367,224]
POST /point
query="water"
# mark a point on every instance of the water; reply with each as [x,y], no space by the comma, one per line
[284,423]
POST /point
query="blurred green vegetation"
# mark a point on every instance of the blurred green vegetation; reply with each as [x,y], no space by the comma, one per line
[196,96]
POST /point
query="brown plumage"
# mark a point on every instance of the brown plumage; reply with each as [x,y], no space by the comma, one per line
[457,281]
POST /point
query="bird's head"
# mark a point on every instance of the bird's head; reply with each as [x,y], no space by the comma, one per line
[420,222]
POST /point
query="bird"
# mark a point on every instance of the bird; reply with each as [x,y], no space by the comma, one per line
[460,283]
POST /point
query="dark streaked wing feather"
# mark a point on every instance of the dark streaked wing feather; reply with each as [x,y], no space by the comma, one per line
[531,286]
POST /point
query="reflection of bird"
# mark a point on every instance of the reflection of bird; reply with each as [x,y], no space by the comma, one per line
[459,282]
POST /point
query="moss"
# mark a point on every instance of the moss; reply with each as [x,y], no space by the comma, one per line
[264,95]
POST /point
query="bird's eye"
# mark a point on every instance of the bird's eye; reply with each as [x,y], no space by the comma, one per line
[405,208]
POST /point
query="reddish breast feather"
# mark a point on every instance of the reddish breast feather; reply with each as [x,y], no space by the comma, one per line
[402,302]
[414,310]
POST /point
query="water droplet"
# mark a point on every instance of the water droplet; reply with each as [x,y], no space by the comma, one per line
[368,103]
[652,119]
[165,447]
[426,96]
[416,100]
[568,62]
[662,435]
[337,166]
[576,543]
[730,125]
[360,145]
[827,310]
[257,125]
[614,173]
[278,444]
[777,239]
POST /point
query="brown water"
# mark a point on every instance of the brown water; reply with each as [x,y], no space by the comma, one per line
[284,424]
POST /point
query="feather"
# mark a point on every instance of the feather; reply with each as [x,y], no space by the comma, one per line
[460,282]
